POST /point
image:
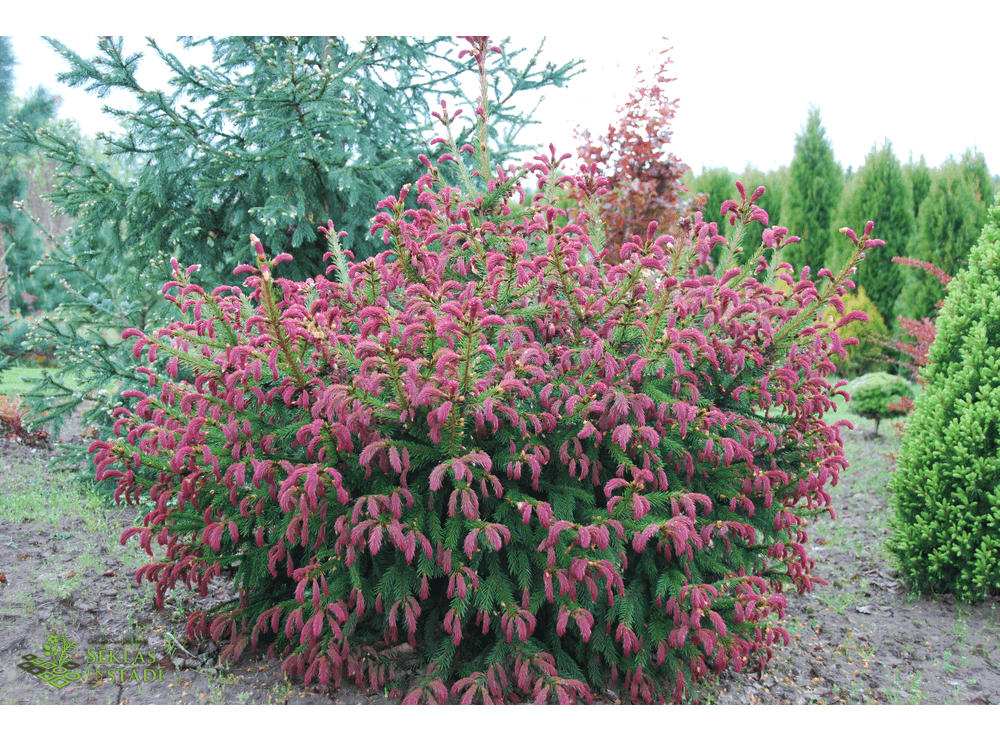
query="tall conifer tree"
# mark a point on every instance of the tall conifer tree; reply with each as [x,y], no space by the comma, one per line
[881,191]
[977,173]
[951,218]
[815,181]
[277,136]
[920,178]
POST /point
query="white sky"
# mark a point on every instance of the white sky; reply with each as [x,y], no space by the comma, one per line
[746,72]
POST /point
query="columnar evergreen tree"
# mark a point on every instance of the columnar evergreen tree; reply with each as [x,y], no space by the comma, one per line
[977,173]
[278,135]
[947,485]
[815,181]
[880,189]
[920,178]
[951,218]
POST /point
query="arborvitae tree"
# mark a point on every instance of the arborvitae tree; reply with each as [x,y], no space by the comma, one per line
[977,173]
[880,190]
[815,181]
[947,485]
[951,218]
[920,178]
[277,136]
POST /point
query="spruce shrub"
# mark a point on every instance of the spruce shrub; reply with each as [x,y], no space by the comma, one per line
[947,485]
[485,463]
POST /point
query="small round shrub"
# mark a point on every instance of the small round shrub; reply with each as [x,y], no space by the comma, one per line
[880,396]
[947,484]
[486,463]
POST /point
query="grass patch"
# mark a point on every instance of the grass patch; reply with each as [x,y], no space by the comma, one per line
[17,381]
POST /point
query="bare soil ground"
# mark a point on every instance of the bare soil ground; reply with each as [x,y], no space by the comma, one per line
[862,640]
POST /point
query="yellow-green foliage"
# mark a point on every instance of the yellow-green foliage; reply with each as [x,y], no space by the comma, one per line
[861,356]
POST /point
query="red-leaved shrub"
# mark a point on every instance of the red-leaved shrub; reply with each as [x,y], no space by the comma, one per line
[914,354]
[12,417]
[486,463]
[644,178]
